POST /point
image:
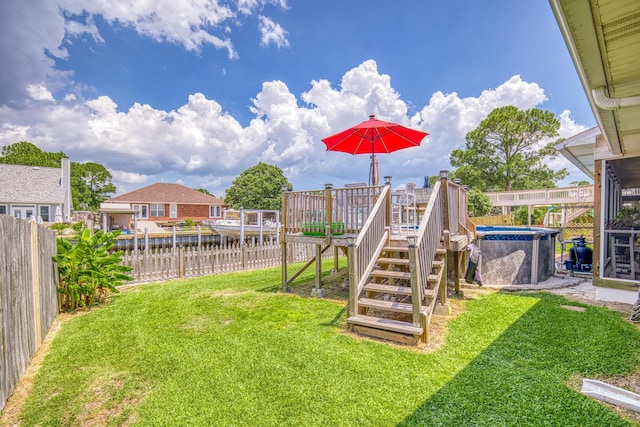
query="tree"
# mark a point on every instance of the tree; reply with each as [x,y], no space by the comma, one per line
[579,183]
[478,203]
[205,191]
[25,153]
[259,187]
[90,182]
[510,150]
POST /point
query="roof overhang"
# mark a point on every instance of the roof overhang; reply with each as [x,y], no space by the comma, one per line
[603,38]
[116,208]
[580,149]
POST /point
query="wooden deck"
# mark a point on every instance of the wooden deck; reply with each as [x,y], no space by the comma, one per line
[397,252]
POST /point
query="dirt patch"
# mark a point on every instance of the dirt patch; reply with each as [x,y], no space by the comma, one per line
[629,382]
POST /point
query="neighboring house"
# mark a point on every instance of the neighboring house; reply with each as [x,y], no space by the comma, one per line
[36,192]
[167,202]
[603,37]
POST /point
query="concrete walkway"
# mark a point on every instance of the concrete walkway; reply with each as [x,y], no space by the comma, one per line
[575,288]
[562,285]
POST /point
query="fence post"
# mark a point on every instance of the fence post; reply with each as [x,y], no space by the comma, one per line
[181,260]
[244,253]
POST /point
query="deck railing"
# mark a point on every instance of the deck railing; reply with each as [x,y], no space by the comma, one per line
[548,196]
[423,250]
[331,211]
[370,241]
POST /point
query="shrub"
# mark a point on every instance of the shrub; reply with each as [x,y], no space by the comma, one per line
[88,271]
[78,227]
[58,227]
[188,222]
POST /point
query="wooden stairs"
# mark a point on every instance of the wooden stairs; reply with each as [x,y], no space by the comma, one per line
[385,305]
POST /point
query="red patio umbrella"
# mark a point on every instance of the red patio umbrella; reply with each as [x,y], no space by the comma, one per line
[374,136]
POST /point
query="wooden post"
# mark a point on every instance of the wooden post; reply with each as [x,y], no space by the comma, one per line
[318,291]
[443,279]
[244,254]
[181,261]
[416,297]
[388,202]
[335,259]
[444,188]
[597,219]
[353,284]
[328,212]
[283,243]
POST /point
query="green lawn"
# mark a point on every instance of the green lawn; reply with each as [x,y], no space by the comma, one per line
[230,350]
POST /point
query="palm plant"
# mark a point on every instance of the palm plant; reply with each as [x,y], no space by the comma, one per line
[89,269]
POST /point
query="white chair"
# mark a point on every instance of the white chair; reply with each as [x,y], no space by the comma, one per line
[409,205]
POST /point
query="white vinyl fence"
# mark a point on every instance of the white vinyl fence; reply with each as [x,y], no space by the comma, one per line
[166,263]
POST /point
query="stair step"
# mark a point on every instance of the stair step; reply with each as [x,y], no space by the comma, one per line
[389,274]
[386,324]
[399,249]
[437,263]
[433,278]
[441,251]
[396,261]
[430,293]
[388,289]
[398,307]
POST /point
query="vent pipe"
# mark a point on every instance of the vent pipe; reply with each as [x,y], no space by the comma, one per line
[603,101]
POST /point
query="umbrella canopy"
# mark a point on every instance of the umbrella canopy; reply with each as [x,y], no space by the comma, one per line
[374,136]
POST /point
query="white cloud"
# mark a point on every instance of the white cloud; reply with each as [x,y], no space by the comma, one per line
[272,33]
[33,33]
[39,92]
[205,146]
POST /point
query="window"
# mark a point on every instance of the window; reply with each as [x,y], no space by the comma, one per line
[173,210]
[142,210]
[3,209]
[157,209]
[215,211]
[44,213]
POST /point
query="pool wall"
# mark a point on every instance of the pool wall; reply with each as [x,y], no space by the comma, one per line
[516,255]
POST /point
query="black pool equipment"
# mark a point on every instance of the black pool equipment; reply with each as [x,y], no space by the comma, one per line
[580,256]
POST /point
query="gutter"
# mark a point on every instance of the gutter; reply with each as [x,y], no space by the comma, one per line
[603,101]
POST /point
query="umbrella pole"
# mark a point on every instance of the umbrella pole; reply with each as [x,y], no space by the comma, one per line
[371,168]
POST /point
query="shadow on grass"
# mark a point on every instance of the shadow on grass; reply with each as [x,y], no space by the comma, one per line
[338,319]
[520,377]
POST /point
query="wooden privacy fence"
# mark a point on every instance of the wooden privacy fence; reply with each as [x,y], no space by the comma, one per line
[191,261]
[28,295]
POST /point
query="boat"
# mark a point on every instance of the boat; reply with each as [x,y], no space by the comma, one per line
[234,228]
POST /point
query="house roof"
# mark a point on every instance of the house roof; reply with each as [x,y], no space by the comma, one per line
[30,184]
[580,149]
[603,38]
[163,192]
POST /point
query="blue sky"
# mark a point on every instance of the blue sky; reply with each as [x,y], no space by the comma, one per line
[198,90]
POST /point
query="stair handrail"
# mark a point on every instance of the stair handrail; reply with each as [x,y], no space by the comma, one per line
[428,237]
[363,252]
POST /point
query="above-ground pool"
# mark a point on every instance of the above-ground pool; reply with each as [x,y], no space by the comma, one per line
[516,255]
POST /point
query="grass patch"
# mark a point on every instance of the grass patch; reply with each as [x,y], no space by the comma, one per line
[229,350]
